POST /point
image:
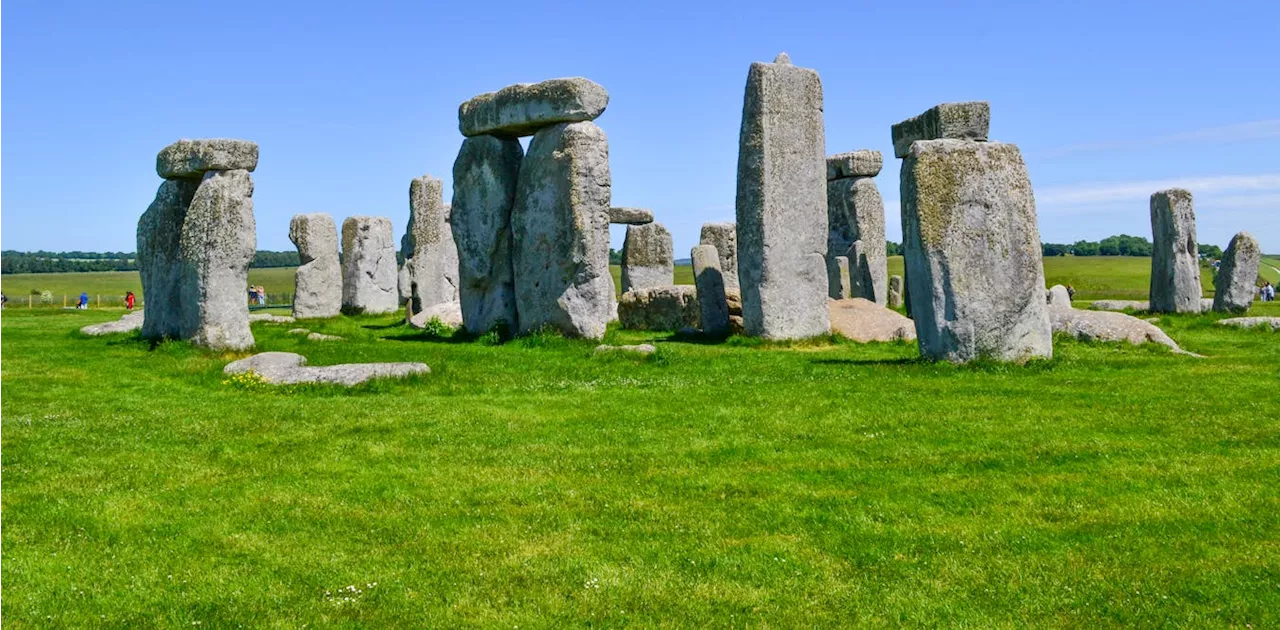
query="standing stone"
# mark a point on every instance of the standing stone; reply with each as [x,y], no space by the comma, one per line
[672,307]
[1237,275]
[159,232]
[560,229]
[781,203]
[713,306]
[368,266]
[217,244]
[318,281]
[839,280]
[855,216]
[485,175]
[1175,257]
[895,291]
[433,265]
[1058,297]
[524,108]
[974,272]
[724,237]
[648,258]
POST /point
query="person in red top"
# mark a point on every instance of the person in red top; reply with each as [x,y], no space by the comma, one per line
[128,300]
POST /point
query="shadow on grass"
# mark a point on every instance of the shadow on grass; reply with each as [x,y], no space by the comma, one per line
[898,361]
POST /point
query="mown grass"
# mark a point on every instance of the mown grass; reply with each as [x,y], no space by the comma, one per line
[537,484]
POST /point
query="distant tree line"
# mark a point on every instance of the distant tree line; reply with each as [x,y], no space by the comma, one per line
[1118,245]
[65,262]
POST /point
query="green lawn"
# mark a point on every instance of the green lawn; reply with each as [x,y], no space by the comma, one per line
[535,484]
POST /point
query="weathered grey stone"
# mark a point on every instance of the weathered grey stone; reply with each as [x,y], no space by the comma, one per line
[159,261]
[838,277]
[1237,277]
[642,349]
[271,318]
[315,336]
[860,163]
[974,272]
[1175,257]
[217,244]
[485,176]
[192,158]
[895,291]
[724,237]
[433,257]
[948,121]
[781,204]
[648,258]
[630,216]
[560,228]
[404,276]
[130,322]
[449,314]
[368,266]
[287,368]
[524,108]
[863,320]
[855,217]
[1058,297]
[659,308]
[298,331]
[1105,326]
[1251,322]
[1119,305]
[713,305]
[318,281]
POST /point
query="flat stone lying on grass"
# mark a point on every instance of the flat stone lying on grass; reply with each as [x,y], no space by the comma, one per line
[1251,322]
[659,308]
[192,158]
[630,216]
[1237,275]
[288,368]
[130,322]
[862,320]
[268,317]
[449,314]
[315,336]
[860,163]
[1106,326]
[299,331]
[644,348]
[1119,305]
[524,108]
[949,121]
[1058,296]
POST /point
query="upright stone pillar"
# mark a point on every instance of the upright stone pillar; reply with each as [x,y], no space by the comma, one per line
[707,278]
[971,241]
[782,203]
[724,237]
[196,241]
[368,266]
[485,175]
[855,214]
[318,281]
[433,266]
[648,258]
[560,228]
[895,291]
[1175,256]
[1237,275]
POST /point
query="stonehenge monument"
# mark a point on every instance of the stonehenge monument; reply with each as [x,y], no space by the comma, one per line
[713,306]
[195,243]
[781,203]
[671,307]
[368,266]
[972,245]
[855,217]
[630,216]
[1175,257]
[838,270]
[1237,275]
[318,281]
[723,237]
[432,256]
[895,292]
[648,258]
[546,212]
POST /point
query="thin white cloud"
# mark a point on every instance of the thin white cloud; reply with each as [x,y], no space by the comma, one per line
[1098,193]
[1238,132]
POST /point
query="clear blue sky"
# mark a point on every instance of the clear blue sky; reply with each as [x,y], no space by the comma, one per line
[349,101]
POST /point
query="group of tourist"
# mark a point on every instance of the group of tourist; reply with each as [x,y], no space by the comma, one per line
[1267,292]
[258,295]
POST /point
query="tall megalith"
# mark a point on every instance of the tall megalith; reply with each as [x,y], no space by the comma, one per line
[368,266]
[318,280]
[855,217]
[723,237]
[782,203]
[485,175]
[1237,277]
[648,257]
[432,257]
[1175,256]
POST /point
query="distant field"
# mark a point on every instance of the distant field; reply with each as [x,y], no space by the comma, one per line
[1094,277]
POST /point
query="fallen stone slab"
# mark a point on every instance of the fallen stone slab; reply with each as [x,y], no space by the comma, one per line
[1108,326]
[1251,322]
[1119,305]
[449,313]
[863,321]
[644,348]
[949,121]
[315,336]
[299,331]
[860,163]
[659,308]
[630,216]
[192,158]
[288,368]
[268,317]
[524,108]
[130,322]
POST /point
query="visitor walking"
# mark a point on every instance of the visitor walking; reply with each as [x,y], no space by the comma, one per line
[262,295]
[128,300]
[84,301]
[1268,293]
[1071,292]
[253,294]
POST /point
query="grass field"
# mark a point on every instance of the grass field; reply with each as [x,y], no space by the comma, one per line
[736,484]
[1094,277]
